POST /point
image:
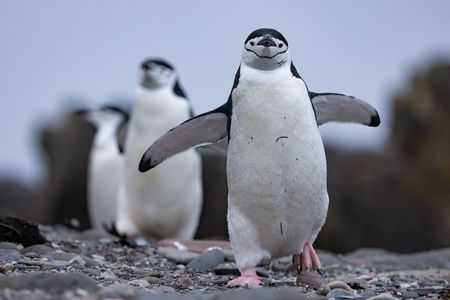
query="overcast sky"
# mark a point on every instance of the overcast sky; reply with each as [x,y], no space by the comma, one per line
[54,51]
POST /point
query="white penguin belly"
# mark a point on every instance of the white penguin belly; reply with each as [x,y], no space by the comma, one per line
[105,175]
[166,201]
[276,171]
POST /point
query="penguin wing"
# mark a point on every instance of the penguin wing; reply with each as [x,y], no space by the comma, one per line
[331,107]
[121,136]
[203,129]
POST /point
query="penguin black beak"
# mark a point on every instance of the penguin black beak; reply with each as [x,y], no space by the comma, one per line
[267,41]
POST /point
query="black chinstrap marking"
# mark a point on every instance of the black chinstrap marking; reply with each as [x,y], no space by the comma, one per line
[269,57]
[281,137]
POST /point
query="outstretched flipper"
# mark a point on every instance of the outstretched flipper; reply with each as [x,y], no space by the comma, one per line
[331,107]
[203,129]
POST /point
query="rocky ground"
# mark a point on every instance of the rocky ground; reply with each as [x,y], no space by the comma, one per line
[94,265]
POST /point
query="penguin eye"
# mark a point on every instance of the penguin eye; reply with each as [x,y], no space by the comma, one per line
[252,43]
[280,45]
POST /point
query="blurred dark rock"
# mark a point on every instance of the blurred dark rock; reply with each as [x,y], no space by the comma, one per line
[19,200]
[213,219]
[67,151]
[399,199]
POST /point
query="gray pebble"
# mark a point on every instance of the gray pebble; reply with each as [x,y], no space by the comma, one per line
[384,296]
[10,246]
[32,255]
[9,255]
[91,271]
[108,275]
[176,256]
[339,293]
[409,295]
[73,258]
[227,269]
[154,280]
[367,294]
[139,283]
[208,260]
[39,249]
[49,282]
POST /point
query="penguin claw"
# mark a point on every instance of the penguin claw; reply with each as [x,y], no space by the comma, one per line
[248,279]
[124,239]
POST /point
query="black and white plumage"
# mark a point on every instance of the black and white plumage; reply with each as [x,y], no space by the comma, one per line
[276,166]
[105,165]
[166,202]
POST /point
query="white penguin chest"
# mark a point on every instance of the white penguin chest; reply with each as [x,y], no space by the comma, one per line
[276,162]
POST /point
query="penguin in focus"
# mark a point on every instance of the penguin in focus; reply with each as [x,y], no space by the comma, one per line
[166,202]
[276,165]
[105,164]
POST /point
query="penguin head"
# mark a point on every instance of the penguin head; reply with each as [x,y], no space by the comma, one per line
[104,116]
[266,49]
[156,73]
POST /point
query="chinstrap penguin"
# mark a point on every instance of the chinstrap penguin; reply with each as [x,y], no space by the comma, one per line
[105,164]
[166,202]
[276,166]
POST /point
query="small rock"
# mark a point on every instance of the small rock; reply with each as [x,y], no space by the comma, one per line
[208,260]
[93,235]
[91,271]
[39,249]
[72,258]
[367,294]
[49,282]
[154,280]
[227,269]
[424,291]
[339,284]
[9,255]
[139,282]
[384,296]
[177,256]
[409,295]
[6,245]
[108,275]
[339,293]
[310,278]
[323,290]
[32,255]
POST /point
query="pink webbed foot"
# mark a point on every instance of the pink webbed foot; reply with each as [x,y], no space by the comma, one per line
[248,279]
[307,259]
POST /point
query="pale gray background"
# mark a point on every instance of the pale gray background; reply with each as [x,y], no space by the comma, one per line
[54,51]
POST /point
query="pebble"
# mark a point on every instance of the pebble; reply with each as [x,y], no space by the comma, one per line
[227,269]
[339,284]
[6,245]
[49,282]
[384,296]
[9,255]
[154,280]
[91,271]
[32,255]
[73,258]
[409,295]
[310,278]
[139,282]
[108,275]
[39,249]
[339,293]
[207,261]
[367,294]
[177,256]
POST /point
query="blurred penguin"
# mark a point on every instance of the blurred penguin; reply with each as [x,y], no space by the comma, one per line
[105,167]
[166,202]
